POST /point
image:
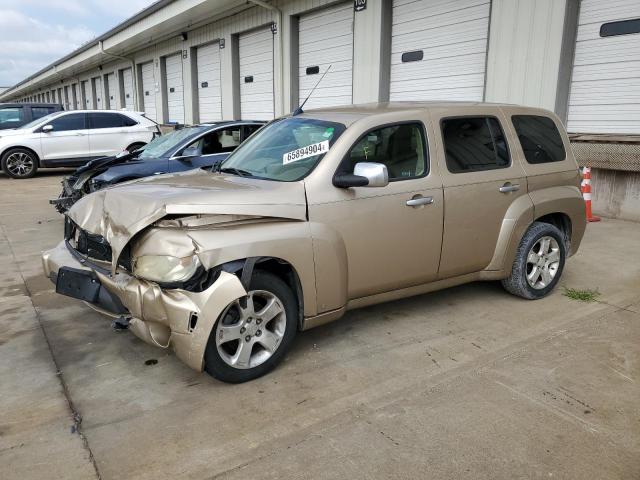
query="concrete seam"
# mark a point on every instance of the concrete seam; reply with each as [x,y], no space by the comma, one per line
[75,415]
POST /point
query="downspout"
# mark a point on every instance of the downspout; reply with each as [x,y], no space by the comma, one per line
[134,74]
[268,6]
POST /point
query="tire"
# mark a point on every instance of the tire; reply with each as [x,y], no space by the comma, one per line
[532,254]
[19,163]
[135,146]
[245,327]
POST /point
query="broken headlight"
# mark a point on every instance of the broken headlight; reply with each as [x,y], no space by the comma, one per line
[164,268]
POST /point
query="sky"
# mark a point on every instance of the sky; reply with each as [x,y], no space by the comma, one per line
[35,33]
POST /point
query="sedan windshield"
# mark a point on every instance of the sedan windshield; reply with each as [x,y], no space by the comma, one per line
[286,150]
[164,145]
[39,121]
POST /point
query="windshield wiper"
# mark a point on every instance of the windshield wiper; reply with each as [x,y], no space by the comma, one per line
[235,171]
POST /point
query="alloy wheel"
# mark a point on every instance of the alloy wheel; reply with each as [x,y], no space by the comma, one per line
[251,329]
[19,164]
[543,261]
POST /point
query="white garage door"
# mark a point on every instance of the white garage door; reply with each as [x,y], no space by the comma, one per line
[256,75]
[148,90]
[111,87]
[175,99]
[326,38]
[209,92]
[438,49]
[97,84]
[127,89]
[605,84]
[88,96]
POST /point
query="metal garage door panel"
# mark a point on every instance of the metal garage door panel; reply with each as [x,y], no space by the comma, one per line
[88,97]
[256,63]
[175,88]
[111,86]
[209,89]
[605,83]
[97,84]
[326,38]
[148,90]
[452,35]
[127,85]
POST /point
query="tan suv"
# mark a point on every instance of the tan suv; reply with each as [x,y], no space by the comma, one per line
[320,213]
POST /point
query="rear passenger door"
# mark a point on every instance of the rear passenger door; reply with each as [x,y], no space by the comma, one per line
[482,180]
[108,133]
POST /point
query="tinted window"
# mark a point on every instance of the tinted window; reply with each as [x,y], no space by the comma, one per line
[109,120]
[10,115]
[540,139]
[474,144]
[400,147]
[73,121]
[39,112]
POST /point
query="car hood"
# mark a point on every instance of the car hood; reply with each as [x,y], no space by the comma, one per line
[103,162]
[14,132]
[118,213]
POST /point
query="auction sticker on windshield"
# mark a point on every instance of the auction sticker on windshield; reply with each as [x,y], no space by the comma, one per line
[305,152]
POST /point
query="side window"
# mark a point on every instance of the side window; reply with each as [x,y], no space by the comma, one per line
[401,148]
[105,120]
[126,121]
[10,115]
[474,144]
[39,112]
[73,121]
[250,130]
[540,139]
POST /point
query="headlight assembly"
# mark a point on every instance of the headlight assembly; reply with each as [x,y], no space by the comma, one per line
[165,269]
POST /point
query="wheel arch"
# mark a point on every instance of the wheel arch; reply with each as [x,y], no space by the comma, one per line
[18,147]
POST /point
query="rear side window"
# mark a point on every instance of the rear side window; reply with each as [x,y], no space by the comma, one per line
[73,121]
[109,120]
[474,144]
[540,139]
[39,112]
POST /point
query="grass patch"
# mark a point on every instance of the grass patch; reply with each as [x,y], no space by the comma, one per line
[582,295]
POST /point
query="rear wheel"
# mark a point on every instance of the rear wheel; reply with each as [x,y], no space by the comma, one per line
[253,333]
[539,262]
[19,163]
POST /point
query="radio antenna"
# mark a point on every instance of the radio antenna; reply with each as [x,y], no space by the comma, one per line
[299,110]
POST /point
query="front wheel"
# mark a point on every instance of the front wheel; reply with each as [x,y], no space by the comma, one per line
[254,332]
[539,262]
[19,163]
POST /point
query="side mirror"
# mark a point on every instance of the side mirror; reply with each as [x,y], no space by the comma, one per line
[47,128]
[365,174]
[188,154]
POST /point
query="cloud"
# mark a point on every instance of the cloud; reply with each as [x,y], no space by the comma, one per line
[35,33]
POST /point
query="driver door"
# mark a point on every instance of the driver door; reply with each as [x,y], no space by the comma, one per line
[68,142]
[392,235]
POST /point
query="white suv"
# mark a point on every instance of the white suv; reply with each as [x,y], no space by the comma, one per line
[70,139]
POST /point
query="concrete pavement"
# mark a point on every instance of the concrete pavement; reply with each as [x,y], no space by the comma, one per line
[469,382]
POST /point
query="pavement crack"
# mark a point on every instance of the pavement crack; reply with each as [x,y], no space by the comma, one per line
[75,414]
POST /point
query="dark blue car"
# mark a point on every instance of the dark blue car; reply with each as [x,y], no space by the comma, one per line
[197,146]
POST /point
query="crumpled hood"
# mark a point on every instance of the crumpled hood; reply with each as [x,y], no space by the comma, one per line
[103,162]
[119,212]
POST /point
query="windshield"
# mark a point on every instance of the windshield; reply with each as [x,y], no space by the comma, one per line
[38,121]
[163,146]
[286,150]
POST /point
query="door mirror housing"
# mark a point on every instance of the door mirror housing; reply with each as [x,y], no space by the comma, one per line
[365,174]
[47,128]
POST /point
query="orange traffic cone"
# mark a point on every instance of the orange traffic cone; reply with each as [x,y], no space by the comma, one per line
[586,193]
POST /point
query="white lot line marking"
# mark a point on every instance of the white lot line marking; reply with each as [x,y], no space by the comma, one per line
[623,375]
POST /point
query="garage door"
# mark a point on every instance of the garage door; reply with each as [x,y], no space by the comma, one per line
[175,99]
[326,38]
[127,89]
[111,91]
[605,84]
[256,75]
[88,96]
[438,49]
[97,84]
[209,92]
[148,90]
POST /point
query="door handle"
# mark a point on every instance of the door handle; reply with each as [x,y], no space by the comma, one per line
[508,187]
[419,200]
